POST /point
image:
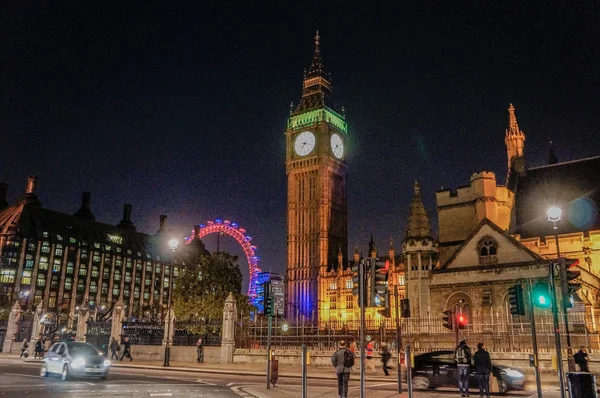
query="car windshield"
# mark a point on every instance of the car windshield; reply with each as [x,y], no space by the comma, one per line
[81,350]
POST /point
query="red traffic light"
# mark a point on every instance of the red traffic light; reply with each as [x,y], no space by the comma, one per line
[462,321]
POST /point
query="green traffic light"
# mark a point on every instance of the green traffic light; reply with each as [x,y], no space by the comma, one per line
[542,295]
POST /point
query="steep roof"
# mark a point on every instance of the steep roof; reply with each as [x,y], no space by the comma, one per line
[574,186]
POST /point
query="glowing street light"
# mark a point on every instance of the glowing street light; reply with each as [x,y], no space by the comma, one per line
[554,214]
[173,243]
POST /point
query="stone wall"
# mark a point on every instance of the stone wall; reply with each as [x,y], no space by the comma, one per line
[178,353]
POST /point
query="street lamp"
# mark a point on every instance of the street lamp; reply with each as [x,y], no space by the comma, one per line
[173,243]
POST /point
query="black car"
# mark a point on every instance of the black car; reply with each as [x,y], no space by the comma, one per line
[438,369]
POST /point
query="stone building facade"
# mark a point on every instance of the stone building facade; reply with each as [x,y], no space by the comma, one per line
[63,260]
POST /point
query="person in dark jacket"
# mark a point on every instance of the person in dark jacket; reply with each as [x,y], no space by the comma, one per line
[343,372]
[126,350]
[385,357]
[483,369]
[462,357]
[114,348]
[39,349]
[581,358]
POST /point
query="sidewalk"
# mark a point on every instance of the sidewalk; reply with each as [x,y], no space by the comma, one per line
[313,372]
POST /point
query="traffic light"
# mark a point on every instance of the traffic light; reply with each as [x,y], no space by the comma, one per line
[567,275]
[541,295]
[261,290]
[356,282]
[462,321]
[448,319]
[516,300]
[379,285]
[270,306]
[405,308]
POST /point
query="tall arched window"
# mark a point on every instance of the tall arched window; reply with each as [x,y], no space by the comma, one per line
[487,248]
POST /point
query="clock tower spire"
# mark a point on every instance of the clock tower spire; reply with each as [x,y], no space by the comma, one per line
[316,206]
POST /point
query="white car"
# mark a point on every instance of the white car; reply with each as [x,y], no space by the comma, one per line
[69,359]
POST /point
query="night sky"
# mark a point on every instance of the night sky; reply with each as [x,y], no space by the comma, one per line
[180,109]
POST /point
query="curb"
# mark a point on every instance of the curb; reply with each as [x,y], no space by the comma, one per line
[228,371]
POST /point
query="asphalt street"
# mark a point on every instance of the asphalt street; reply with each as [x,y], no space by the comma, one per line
[19,379]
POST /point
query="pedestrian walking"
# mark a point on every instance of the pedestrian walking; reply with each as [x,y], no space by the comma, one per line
[343,361]
[462,357]
[353,347]
[126,350]
[581,358]
[24,346]
[200,350]
[39,349]
[385,357]
[483,369]
[46,344]
[114,348]
[370,362]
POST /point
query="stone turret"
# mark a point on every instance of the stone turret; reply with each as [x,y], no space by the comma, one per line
[515,145]
[419,254]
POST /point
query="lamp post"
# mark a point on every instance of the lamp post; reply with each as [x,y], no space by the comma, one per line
[554,215]
[173,243]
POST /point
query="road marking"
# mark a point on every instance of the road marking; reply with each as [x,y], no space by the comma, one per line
[205,382]
[230,384]
[373,385]
[238,390]
[18,374]
[164,394]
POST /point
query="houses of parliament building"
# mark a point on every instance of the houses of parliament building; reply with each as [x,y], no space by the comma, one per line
[492,232]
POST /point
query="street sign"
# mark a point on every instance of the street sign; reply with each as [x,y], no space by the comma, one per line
[277,293]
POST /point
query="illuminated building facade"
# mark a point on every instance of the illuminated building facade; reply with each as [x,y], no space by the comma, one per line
[316,205]
[64,260]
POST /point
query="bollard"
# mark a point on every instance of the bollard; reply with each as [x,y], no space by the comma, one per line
[409,364]
[305,360]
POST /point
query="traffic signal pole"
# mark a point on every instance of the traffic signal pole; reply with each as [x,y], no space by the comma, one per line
[556,330]
[361,291]
[398,338]
[270,317]
[538,380]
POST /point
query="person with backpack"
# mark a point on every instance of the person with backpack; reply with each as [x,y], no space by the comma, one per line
[462,357]
[343,361]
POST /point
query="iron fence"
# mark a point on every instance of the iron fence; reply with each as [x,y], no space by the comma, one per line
[425,334]
[98,334]
[188,333]
[143,333]
[184,333]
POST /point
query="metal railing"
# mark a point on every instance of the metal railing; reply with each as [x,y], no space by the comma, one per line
[508,334]
[184,333]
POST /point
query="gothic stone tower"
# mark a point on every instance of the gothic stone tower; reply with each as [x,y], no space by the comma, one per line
[420,256]
[317,210]
[515,145]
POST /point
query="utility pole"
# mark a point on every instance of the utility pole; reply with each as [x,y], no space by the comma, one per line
[398,338]
[270,326]
[561,374]
[361,289]
[538,380]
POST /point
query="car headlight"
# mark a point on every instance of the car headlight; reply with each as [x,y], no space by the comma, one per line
[106,362]
[77,363]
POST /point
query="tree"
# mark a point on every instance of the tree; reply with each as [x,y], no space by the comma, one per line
[201,289]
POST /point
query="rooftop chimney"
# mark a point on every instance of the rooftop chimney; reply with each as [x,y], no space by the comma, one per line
[162,226]
[85,211]
[30,198]
[126,221]
[3,191]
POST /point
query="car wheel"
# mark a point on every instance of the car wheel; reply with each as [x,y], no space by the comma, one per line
[502,386]
[65,373]
[104,376]
[44,371]
[421,383]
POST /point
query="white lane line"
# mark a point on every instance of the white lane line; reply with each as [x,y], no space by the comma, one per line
[374,385]
[230,384]
[18,374]
[205,382]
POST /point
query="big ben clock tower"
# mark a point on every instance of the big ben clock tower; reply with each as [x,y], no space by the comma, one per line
[317,210]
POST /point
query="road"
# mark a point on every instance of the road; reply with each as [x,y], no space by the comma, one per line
[22,379]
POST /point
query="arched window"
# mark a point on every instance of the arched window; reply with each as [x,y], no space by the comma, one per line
[461,304]
[487,248]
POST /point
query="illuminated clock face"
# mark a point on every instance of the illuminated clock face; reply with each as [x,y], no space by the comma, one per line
[337,146]
[305,143]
